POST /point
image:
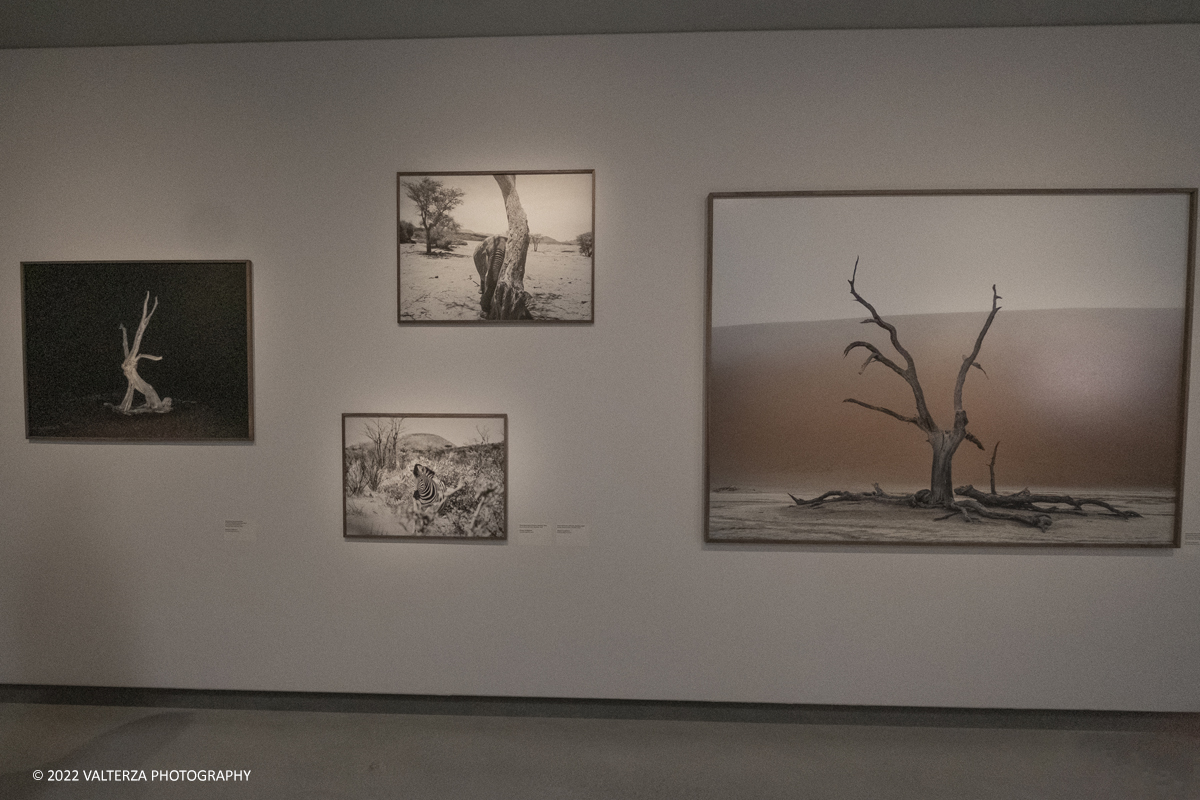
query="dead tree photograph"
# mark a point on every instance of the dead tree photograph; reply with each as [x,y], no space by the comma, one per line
[820,431]
[152,404]
[467,253]
[84,381]
[1023,507]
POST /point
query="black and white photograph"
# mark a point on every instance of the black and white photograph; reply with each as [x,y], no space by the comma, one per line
[1002,368]
[425,476]
[154,351]
[495,247]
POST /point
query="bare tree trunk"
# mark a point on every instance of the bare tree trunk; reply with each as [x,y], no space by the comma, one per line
[129,367]
[136,383]
[941,484]
[508,298]
[943,442]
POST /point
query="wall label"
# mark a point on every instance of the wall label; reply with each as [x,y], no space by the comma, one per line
[240,530]
[534,533]
[573,535]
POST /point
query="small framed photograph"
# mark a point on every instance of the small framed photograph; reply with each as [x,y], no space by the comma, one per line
[502,247]
[952,368]
[425,476]
[138,351]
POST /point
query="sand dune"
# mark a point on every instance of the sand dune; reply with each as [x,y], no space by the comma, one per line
[1077,398]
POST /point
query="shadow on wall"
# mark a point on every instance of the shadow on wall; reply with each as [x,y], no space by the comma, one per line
[129,746]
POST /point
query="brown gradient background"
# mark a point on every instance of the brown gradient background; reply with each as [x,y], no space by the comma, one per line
[1077,398]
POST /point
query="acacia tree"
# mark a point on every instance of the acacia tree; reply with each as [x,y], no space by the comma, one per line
[129,367]
[434,202]
[943,442]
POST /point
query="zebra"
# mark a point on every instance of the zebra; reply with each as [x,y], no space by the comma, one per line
[430,492]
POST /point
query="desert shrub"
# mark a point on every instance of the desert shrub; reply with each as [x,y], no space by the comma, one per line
[478,470]
[586,242]
[362,473]
[407,231]
[396,491]
[355,480]
[444,235]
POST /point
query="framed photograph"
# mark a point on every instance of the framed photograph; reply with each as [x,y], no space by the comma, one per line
[504,247]
[990,368]
[425,476]
[138,351]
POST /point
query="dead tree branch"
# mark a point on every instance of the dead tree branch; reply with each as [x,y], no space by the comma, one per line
[924,420]
[1034,518]
[965,508]
[960,417]
[1029,501]
[883,410]
[879,496]
[992,467]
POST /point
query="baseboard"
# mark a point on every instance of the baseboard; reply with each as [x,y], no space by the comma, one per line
[799,714]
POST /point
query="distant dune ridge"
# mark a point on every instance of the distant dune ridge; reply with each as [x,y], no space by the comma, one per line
[1078,398]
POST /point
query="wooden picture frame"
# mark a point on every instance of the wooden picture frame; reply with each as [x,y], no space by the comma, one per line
[1067,380]
[454,264]
[138,351]
[425,477]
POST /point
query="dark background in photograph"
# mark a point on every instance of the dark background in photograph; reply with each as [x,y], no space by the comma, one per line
[73,350]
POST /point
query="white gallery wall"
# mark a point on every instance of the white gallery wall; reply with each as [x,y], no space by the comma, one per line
[114,566]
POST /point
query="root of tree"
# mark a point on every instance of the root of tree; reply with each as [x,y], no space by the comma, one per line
[1024,507]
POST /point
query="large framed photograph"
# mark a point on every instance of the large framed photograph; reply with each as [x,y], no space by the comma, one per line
[425,476]
[502,247]
[988,368]
[128,351]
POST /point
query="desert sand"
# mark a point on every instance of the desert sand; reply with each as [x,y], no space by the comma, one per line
[764,516]
[445,286]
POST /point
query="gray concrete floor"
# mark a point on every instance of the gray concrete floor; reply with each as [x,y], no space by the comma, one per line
[319,754]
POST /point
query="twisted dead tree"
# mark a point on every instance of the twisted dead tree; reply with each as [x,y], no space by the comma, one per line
[1023,507]
[943,442]
[129,367]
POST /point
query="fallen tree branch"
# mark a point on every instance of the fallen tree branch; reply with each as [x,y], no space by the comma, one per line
[879,496]
[1026,500]
[1034,518]
[964,507]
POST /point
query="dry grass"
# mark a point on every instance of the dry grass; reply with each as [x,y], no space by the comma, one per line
[475,509]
